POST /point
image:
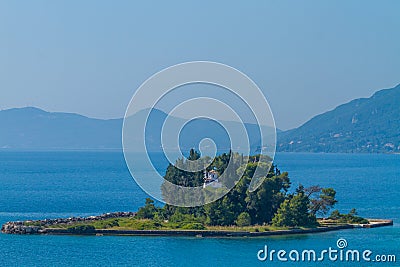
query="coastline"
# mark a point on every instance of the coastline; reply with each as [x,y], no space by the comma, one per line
[42,227]
[198,233]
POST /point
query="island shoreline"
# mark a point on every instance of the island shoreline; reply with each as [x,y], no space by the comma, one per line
[26,228]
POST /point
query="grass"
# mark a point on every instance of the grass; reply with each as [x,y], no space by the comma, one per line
[32,223]
[253,228]
[146,224]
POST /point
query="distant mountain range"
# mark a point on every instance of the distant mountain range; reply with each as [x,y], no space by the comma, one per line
[35,129]
[362,125]
[192,132]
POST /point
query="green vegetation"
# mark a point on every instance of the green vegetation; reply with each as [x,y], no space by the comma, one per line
[181,221]
[150,224]
[271,204]
[32,223]
[351,217]
[270,207]
[243,219]
[368,125]
[294,212]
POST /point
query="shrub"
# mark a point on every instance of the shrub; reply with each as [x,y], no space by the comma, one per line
[178,217]
[243,219]
[104,224]
[194,226]
[335,215]
[351,217]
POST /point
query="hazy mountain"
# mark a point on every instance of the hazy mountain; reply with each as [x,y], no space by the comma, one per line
[193,132]
[362,125]
[35,129]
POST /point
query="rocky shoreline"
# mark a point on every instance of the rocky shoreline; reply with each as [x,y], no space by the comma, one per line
[49,226]
[42,226]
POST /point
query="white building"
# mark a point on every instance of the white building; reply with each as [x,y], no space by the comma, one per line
[211,179]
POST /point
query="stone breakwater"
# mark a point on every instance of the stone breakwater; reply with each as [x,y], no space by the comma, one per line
[41,226]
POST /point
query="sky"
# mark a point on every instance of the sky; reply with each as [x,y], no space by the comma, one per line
[89,57]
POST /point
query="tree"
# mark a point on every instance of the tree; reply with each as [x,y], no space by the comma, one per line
[299,211]
[294,212]
[283,217]
[221,212]
[265,201]
[335,215]
[148,211]
[270,202]
[351,217]
[243,219]
[323,201]
[193,155]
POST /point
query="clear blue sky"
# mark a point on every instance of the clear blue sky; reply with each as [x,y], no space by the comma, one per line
[89,57]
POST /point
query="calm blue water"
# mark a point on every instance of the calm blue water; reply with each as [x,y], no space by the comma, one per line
[36,185]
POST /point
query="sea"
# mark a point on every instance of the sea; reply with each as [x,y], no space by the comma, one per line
[38,185]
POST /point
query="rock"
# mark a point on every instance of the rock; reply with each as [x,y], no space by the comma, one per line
[30,226]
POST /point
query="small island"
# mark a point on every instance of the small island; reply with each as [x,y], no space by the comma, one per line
[272,209]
